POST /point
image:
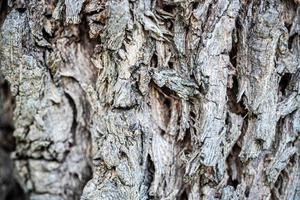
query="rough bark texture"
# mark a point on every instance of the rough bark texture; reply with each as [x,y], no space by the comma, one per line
[150,99]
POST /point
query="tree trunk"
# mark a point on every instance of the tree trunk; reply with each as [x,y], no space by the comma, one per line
[151,99]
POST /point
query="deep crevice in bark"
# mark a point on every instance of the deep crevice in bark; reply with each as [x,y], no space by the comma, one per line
[183,196]
[234,49]
[291,41]
[234,106]
[3,11]
[284,83]
[74,123]
[149,176]
[234,166]
[10,188]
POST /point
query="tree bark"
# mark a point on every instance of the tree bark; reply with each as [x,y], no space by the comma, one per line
[151,99]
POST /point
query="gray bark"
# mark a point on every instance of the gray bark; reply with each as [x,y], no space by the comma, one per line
[150,99]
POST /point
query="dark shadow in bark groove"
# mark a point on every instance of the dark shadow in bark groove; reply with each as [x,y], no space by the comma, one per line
[234,166]
[284,82]
[149,174]
[88,42]
[233,53]
[17,193]
[10,189]
[21,9]
[74,123]
[291,41]
[183,196]
[4,9]
[279,185]
[234,106]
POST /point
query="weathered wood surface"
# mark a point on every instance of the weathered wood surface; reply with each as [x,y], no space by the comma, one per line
[153,99]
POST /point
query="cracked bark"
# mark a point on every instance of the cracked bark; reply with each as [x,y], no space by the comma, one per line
[150,99]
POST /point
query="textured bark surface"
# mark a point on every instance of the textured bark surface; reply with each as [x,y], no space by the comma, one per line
[150,99]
